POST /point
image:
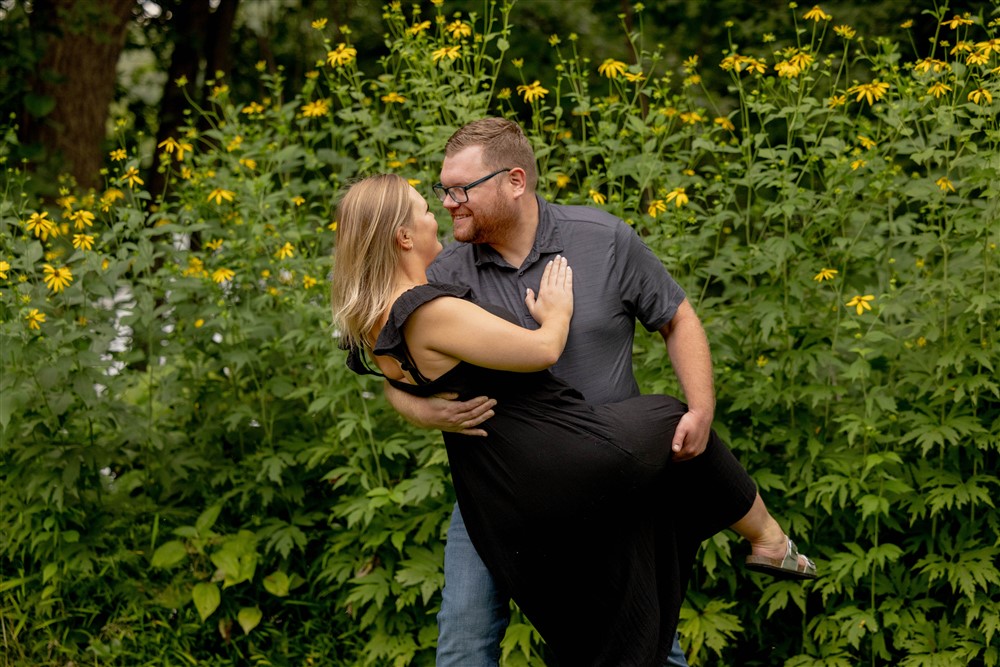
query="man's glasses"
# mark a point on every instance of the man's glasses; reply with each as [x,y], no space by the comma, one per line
[460,193]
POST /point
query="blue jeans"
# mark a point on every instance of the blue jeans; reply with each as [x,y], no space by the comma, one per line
[474,615]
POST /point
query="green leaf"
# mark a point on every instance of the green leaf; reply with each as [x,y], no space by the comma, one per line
[206,599]
[276,583]
[249,618]
[169,554]
[207,519]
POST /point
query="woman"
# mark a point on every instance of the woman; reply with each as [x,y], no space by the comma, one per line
[573,507]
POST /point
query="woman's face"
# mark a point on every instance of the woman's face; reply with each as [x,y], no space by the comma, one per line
[424,228]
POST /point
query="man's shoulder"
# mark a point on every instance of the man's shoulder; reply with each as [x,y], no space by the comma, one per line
[562,213]
[455,259]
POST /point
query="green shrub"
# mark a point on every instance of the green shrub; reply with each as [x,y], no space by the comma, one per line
[190,475]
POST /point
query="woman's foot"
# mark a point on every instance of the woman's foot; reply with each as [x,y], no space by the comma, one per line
[781,560]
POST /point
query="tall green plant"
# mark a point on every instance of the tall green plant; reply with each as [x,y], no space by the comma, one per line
[190,474]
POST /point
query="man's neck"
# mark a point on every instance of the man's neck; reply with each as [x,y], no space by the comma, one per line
[518,244]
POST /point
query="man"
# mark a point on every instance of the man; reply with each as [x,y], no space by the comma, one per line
[505,235]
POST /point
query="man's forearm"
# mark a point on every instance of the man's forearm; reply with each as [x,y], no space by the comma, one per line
[405,404]
[689,353]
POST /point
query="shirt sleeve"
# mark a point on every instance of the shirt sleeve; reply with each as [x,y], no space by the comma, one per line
[648,290]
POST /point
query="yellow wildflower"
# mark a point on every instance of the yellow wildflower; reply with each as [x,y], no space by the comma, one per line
[195,268]
[945,184]
[169,145]
[907,24]
[82,219]
[724,123]
[342,55]
[533,92]
[861,303]
[980,96]
[634,77]
[285,251]
[221,275]
[612,68]
[118,154]
[249,163]
[836,101]
[35,319]
[418,28]
[235,143]
[957,21]
[691,117]
[214,244]
[873,91]
[332,226]
[66,201]
[132,176]
[4,268]
[554,40]
[218,194]
[928,64]
[57,279]
[816,14]
[857,164]
[449,52]
[298,200]
[562,180]
[938,89]
[318,24]
[393,98]
[866,142]
[109,197]
[597,197]
[786,69]
[978,58]
[459,29]
[678,196]
[316,108]
[825,274]
[83,241]
[308,281]
[845,31]
[762,361]
[253,108]
[40,225]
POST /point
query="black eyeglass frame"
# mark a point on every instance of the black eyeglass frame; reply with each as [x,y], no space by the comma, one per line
[443,192]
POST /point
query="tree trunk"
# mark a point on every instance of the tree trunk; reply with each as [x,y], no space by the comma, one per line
[201,41]
[78,71]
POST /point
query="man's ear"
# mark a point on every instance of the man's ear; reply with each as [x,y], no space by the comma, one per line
[403,238]
[518,181]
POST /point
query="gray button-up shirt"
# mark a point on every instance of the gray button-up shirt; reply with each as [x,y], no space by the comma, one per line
[616,280]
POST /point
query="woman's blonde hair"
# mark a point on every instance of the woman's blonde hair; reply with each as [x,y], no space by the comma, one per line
[366,253]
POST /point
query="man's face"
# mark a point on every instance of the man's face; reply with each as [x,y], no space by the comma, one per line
[490,213]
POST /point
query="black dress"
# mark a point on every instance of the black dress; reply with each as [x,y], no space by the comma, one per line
[575,508]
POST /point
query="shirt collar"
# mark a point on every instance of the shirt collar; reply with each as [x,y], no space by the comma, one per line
[547,241]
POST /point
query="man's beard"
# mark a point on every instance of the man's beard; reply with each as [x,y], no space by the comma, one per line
[491,227]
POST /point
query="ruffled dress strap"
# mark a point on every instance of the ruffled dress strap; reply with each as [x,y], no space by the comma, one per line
[391,341]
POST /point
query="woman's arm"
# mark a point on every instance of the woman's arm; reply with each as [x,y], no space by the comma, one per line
[447,330]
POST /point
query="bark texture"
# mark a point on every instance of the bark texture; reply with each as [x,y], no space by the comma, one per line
[84,39]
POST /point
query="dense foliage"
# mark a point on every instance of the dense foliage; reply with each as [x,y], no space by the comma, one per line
[191,475]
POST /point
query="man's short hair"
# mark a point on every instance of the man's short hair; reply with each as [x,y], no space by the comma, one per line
[504,146]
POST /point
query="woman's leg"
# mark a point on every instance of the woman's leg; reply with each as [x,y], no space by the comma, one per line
[762,531]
